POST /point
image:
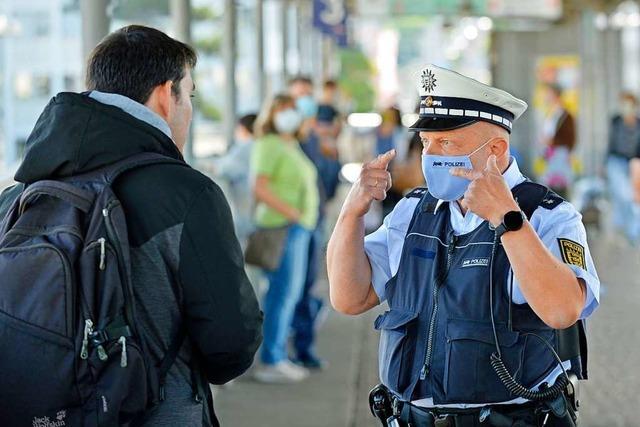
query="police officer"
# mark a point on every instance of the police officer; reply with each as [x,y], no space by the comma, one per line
[487,275]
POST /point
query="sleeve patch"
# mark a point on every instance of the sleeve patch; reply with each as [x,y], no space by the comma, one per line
[572,253]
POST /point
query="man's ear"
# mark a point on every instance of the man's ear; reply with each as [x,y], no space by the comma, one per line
[499,147]
[160,100]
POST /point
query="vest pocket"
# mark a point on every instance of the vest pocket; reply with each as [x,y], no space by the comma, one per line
[468,375]
[396,351]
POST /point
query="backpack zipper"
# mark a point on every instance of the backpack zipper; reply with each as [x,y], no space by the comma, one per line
[432,322]
[126,289]
[123,356]
[103,253]
[88,328]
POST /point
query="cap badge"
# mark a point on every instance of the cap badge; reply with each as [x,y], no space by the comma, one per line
[428,80]
[428,102]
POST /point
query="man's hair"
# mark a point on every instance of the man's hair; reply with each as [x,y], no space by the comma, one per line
[330,84]
[248,122]
[300,79]
[133,60]
[629,96]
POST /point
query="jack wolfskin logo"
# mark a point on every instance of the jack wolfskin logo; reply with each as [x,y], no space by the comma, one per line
[48,422]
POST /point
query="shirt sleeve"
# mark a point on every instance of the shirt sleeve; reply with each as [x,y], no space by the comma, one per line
[264,157]
[384,246]
[222,315]
[377,250]
[562,232]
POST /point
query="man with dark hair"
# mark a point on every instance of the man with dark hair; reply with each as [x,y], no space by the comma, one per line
[186,264]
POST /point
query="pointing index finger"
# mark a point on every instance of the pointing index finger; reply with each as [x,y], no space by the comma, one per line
[383,160]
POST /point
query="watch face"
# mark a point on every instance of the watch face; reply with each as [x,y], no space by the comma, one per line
[513,220]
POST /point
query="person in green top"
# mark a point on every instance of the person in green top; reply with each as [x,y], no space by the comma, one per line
[286,194]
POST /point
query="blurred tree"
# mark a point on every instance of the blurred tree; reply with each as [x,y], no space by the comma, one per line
[209,46]
[207,109]
[137,9]
[204,13]
[356,79]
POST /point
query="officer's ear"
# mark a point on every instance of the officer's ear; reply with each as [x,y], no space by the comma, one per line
[499,147]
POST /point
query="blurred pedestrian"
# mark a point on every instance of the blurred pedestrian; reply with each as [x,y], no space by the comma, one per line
[392,135]
[558,141]
[319,136]
[234,168]
[286,195]
[624,145]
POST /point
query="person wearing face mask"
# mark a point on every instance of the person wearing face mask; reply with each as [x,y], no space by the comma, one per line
[624,145]
[318,141]
[286,194]
[471,268]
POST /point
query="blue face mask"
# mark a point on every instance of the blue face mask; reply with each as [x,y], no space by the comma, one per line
[307,106]
[441,184]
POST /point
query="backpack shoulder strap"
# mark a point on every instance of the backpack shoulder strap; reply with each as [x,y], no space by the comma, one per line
[531,195]
[71,194]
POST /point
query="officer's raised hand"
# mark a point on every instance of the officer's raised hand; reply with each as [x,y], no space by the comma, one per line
[488,195]
[372,184]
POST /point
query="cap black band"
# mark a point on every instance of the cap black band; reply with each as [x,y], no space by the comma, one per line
[460,111]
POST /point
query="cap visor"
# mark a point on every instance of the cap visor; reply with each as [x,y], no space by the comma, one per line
[438,123]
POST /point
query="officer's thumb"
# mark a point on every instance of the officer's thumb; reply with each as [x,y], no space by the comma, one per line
[383,160]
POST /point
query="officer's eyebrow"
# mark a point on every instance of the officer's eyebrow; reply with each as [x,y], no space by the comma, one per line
[426,139]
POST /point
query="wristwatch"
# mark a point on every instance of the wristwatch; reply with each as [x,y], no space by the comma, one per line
[511,221]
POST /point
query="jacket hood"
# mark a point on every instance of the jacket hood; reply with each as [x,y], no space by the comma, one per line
[76,134]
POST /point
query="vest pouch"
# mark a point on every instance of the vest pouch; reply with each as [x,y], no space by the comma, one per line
[397,351]
[468,375]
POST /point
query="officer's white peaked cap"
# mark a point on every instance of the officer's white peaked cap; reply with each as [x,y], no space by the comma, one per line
[449,100]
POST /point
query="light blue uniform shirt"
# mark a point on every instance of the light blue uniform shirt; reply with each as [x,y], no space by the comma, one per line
[384,248]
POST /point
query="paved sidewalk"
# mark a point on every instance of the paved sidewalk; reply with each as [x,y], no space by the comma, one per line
[333,397]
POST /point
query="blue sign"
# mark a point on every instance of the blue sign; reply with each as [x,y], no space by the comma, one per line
[330,17]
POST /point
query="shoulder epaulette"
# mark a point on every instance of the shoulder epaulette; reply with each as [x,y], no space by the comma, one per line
[417,193]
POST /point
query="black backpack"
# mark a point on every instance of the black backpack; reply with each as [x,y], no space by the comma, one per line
[71,352]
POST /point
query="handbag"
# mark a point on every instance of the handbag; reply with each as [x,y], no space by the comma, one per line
[265,247]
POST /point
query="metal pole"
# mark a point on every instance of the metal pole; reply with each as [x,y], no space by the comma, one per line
[181,17]
[229,53]
[262,83]
[10,147]
[95,24]
[284,21]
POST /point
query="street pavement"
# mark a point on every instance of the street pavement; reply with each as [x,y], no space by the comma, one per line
[338,396]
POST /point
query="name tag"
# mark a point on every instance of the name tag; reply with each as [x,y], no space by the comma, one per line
[475,262]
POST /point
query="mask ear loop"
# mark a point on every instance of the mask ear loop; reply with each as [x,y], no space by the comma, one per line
[481,147]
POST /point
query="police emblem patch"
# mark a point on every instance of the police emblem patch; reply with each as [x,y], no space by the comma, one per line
[428,102]
[428,80]
[572,253]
